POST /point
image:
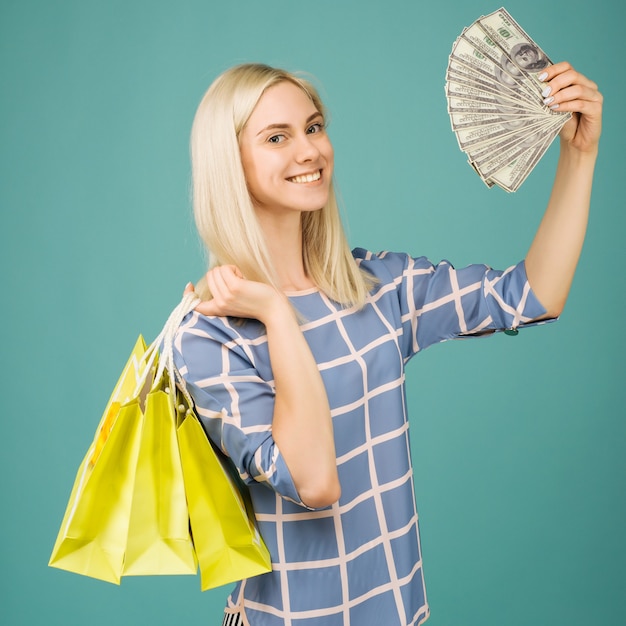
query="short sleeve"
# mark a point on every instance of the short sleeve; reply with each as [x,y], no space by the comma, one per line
[439,302]
[233,392]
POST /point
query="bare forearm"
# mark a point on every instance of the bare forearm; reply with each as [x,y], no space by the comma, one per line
[552,258]
[554,253]
[302,426]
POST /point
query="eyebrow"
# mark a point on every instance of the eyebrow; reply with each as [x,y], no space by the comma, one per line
[284,126]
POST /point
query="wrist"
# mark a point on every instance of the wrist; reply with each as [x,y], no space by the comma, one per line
[278,312]
[578,155]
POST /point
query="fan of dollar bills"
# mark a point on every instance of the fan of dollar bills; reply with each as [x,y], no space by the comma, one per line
[495,100]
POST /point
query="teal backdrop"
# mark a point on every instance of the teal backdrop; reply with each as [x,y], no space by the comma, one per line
[518,443]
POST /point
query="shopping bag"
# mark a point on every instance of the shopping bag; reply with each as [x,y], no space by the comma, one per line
[159,541]
[149,475]
[93,534]
[128,513]
[227,542]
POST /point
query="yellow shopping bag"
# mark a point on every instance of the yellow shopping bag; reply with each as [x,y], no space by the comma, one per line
[127,514]
[158,536]
[149,475]
[227,542]
[92,538]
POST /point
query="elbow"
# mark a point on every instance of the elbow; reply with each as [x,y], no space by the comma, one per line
[551,313]
[553,309]
[322,494]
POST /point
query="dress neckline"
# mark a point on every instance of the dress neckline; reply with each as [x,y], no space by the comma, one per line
[302,292]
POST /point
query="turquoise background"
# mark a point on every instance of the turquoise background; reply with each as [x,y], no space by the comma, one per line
[518,442]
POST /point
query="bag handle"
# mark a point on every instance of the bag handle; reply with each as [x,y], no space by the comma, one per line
[165,344]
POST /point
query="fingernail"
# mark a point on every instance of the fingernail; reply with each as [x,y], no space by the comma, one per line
[188,285]
[548,100]
[546,92]
[542,76]
[554,106]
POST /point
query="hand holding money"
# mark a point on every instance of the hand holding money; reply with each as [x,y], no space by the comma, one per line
[572,92]
[504,114]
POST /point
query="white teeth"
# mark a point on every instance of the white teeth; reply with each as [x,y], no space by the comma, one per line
[307,178]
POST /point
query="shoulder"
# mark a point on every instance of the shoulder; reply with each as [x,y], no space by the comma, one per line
[388,265]
[202,340]
[220,329]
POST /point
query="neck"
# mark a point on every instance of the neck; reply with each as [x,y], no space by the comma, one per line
[284,242]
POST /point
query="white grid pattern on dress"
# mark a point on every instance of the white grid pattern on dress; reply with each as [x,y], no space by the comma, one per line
[359,561]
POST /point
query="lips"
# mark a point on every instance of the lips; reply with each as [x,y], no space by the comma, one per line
[306,178]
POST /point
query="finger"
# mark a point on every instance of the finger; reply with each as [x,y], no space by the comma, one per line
[554,70]
[590,110]
[216,284]
[189,288]
[232,277]
[567,78]
[228,272]
[576,92]
[216,288]
[578,99]
[207,307]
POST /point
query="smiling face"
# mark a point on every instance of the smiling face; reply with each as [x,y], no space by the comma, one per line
[286,154]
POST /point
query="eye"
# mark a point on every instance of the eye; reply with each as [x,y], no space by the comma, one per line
[276,139]
[318,127]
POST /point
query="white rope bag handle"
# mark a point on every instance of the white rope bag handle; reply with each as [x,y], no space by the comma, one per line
[165,344]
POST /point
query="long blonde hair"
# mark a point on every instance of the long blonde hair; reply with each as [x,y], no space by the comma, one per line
[224,213]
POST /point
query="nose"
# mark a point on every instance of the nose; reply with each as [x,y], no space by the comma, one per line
[306,149]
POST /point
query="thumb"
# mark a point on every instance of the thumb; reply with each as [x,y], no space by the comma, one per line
[207,307]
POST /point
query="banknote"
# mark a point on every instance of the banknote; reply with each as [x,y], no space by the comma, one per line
[461,120]
[462,76]
[495,134]
[495,102]
[503,66]
[490,160]
[519,47]
[511,176]
[475,49]
[463,90]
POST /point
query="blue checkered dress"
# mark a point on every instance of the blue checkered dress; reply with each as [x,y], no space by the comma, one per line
[358,561]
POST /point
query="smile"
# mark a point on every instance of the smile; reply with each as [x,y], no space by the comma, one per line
[306,178]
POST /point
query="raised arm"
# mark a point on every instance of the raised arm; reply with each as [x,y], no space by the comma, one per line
[554,253]
[301,426]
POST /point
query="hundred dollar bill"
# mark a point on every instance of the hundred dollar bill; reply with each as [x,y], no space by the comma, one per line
[491,168]
[468,121]
[511,177]
[492,133]
[523,54]
[460,68]
[494,100]
[484,45]
[461,104]
[508,147]
[490,183]
[491,159]
[454,74]
[470,50]
[461,88]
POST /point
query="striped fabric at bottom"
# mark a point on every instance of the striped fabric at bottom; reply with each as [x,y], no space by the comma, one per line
[231,619]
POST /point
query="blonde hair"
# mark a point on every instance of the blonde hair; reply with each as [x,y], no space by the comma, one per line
[224,213]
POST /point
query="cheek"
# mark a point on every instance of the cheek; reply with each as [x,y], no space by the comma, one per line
[246,163]
[252,171]
[329,153]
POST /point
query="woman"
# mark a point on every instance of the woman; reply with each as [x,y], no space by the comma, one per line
[296,360]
